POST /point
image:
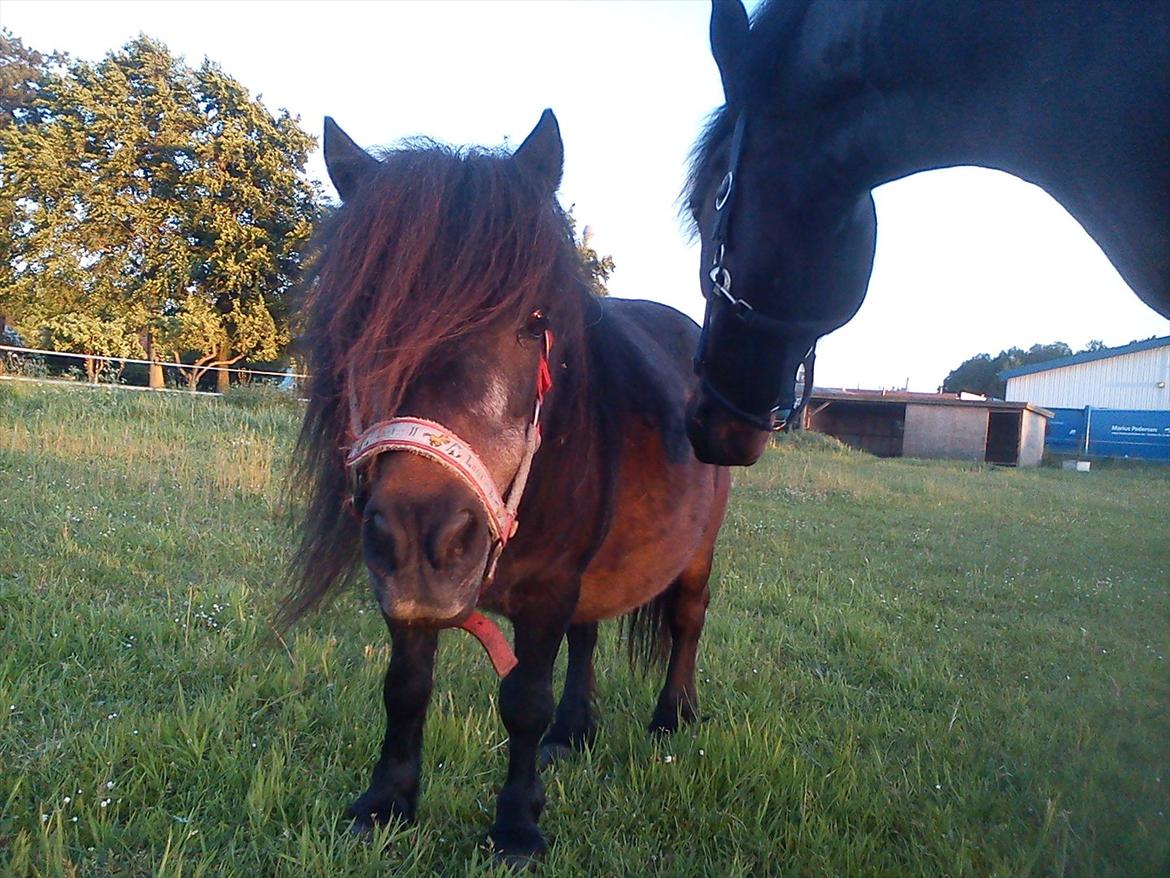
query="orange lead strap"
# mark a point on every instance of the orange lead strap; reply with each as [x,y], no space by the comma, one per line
[492,640]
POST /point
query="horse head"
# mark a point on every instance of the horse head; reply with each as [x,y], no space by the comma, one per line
[787,244]
[431,325]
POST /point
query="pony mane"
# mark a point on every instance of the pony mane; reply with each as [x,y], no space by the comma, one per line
[440,242]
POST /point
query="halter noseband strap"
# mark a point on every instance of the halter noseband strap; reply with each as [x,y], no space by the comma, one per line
[719,293]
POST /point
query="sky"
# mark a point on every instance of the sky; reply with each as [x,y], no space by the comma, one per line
[968,260]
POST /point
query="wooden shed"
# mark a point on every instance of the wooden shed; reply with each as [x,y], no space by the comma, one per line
[946,426]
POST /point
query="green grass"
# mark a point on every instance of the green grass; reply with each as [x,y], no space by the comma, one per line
[910,668]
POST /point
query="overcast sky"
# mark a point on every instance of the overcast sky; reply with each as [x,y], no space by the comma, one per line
[968,260]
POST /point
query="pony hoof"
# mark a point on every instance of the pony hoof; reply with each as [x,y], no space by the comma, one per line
[553,753]
[519,849]
[363,832]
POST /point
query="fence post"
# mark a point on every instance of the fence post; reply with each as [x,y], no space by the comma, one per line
[154,370]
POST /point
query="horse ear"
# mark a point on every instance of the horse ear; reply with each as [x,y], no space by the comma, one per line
[348,164]
[542,152]
[729,42]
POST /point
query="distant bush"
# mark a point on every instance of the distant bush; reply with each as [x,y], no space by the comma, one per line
[810,440]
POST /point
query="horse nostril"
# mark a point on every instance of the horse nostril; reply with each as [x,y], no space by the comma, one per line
[453,539]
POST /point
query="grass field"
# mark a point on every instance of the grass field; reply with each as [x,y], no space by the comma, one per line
[910,668]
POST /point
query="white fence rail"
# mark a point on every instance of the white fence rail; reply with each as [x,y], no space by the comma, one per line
[102,360]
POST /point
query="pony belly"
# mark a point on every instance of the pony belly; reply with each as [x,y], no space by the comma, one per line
[647,550]
[607,595]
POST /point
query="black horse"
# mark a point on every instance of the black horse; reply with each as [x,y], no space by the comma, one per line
[449,318]
[826,100]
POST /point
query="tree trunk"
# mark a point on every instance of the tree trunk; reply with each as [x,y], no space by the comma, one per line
[223,378]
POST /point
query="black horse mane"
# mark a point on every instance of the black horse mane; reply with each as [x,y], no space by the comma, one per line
[773,26]
[440,243]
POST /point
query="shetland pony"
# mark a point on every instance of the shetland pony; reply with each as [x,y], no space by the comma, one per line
[483,432]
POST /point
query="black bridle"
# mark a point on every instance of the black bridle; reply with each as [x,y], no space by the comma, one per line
[719,294]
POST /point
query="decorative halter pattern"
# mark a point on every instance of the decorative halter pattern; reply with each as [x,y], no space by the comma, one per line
[435,442]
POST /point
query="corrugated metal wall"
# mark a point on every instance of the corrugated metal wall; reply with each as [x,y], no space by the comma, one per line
[1128,381]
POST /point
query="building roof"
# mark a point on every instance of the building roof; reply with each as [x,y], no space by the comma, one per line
[1087,357]
[901,397]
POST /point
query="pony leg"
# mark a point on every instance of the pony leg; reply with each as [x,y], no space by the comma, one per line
[678,699]
[575,726]
[526,707]
[406,691]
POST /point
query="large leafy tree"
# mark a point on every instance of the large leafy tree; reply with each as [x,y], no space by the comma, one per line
[161,196]
[980,373]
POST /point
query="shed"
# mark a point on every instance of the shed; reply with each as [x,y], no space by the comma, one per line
[948,426]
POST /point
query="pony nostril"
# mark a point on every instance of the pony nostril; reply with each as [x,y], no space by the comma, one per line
[453,539]
[379,540]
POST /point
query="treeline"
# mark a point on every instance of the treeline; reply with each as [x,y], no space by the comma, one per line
[980,373]
[150,209]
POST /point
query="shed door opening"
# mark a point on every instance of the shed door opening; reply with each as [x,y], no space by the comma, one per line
[874,427]
[1003,438]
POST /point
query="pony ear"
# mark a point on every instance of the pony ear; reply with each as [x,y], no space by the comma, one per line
[729,42]
[348,164]
[542,153]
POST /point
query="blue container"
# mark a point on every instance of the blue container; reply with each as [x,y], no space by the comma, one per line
[1111,432]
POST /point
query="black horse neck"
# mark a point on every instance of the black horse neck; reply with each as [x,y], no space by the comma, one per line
[1072,97]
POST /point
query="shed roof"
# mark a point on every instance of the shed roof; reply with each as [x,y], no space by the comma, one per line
[1087,357]
[901,397]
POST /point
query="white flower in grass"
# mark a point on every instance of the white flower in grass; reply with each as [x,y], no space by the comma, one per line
[668,759]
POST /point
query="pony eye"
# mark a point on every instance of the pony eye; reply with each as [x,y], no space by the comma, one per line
[537,324]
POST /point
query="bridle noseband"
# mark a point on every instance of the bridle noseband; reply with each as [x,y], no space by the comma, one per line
[719,295]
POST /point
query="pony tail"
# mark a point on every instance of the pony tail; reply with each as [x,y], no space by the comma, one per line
[646,631]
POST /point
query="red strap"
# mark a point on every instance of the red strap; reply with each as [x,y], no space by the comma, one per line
[493,641]
[543,375]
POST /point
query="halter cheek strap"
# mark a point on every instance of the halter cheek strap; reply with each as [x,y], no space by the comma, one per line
[433,441]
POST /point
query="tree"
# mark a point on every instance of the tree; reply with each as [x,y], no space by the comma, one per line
[980,373]
[22,74]
[597,268]
[165,197]
[101,338]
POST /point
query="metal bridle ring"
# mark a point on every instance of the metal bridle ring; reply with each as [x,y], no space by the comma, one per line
[724,191]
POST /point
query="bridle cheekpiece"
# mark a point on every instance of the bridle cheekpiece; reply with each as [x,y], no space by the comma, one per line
[719,294]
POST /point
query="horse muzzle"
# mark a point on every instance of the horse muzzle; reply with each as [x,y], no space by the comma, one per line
[719,438]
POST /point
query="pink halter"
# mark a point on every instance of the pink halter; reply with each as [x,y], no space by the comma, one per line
[435,442]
